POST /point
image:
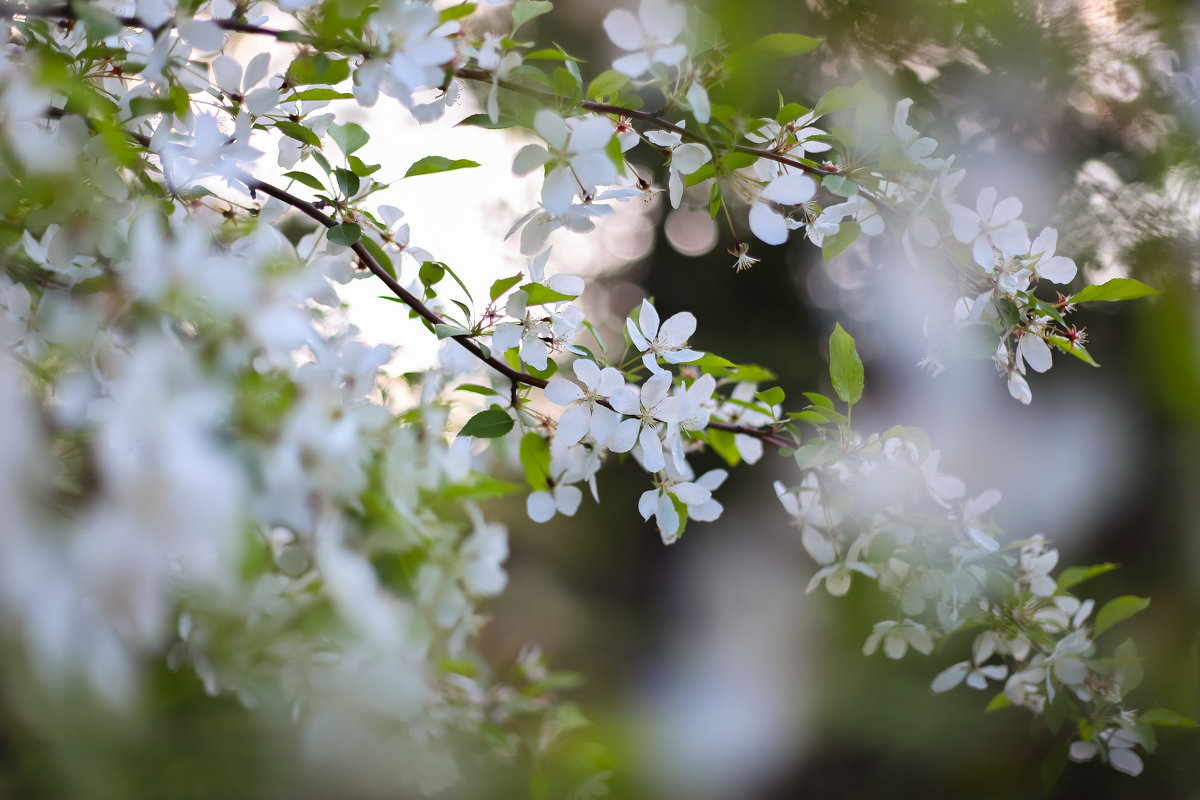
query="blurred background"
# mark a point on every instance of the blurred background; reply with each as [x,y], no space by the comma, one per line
[708,673]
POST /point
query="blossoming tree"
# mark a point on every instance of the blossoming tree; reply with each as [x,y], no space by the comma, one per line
[202,463]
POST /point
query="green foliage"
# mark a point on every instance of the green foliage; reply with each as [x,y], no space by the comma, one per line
[845,367]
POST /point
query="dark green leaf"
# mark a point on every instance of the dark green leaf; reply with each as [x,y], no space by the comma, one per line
[845,367]
[359,168]
[298,132]
[381,257]
[475,388]
[347,182]
[489,424]
[431,273]
[434,164]
[306,179]
[346,234]
[484,121]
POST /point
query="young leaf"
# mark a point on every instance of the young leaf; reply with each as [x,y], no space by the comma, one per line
[845,367]
[1117,610]
[318,93]
[607,84]
[525,10]
[1115,289]
[535,458]
[1073,576]
[539,294]
[489,424]
[503,285]
[772,397]
[434,164]
[457,12]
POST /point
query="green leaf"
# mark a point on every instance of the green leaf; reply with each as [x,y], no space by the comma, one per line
[503,285]
[457,12]
[484,121]
[347,182]
[1053,764]
[607,84]
[349,137]
[535,458]
[434,164]
[998,702]
[317,68]
[479,487]
[790,112]
[1076,349]
[539,294]
[1073,576]
[377,253]
[723,444]
[298,132]
[1128,663]
[845,367]
[475,388]
[525,10]
[837,244]
[1166,717]
[100,23]
[318,93]
[431,273]
[818,399]
[820,453]
[1115,289]
[489,424]
[308,180]
[773,45]
[565,82]
[346,234]
[1117,610]
[359,168]
[444,331]
[550,54]
[840,185]
[772,397]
